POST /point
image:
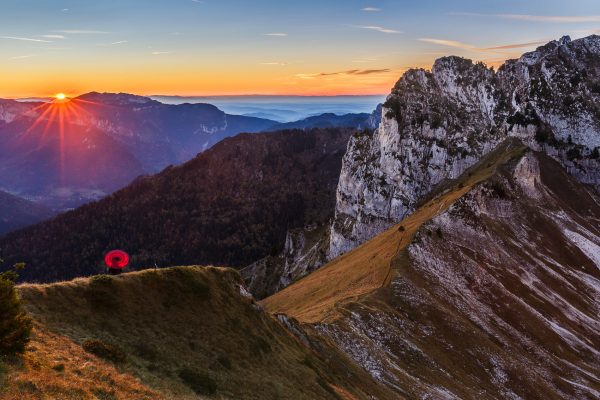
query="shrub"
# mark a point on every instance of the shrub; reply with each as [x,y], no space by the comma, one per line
[200,383]
[498,190]
[104,350]
[573,154]
[59,367]
[15,325]
[224,361]
[102,394]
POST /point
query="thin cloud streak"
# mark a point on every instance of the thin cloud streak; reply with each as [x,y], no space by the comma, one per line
[21,57]
[349,72]
[470,47]
[81,32]
[449,43]
[25,39]
[279,34]
[536,18]
[379,29]
[516,45]
[371,9]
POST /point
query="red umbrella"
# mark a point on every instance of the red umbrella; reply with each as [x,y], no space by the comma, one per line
[116,259]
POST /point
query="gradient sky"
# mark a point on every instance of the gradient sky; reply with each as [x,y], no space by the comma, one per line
[219,47]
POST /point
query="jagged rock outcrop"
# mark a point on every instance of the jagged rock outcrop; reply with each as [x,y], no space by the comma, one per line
[305,250]
[435,124]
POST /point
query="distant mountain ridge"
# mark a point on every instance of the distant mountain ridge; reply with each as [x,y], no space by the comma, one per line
[16,213]
[66,154]
[330,120]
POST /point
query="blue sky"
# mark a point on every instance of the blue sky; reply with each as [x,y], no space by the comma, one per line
[277,47]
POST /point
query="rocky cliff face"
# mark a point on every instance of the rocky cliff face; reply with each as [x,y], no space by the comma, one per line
[435,124]
[304,251]
[497,297]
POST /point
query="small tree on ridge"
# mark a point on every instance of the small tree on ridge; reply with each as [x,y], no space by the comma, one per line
[15,325]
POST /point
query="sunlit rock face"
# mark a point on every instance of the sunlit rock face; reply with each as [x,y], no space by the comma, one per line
[435,124]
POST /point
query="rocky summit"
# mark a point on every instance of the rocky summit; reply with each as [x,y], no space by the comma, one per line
[435,124]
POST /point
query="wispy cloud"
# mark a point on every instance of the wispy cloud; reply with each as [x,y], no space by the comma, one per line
[21,57]
[158,53]
[279,34]
[274,63]
[53,36]
[379,29]
[349,72]
[516,45]
[81,32]
[119,42]
[467,46]
[25,39]
[537,18]
[371,9]
[364,60]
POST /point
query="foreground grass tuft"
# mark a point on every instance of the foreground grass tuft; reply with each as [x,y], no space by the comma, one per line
[200,383]
[106,351]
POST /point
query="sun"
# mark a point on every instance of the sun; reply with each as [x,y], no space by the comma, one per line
[60,96]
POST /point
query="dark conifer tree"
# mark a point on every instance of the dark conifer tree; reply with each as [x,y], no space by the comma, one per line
[15,325]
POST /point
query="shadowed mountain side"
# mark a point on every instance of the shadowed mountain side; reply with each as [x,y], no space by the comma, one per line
[16,212]
[231,205]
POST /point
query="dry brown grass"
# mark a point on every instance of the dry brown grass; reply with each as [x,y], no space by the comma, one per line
[168,321]
[54,367]
[369,266]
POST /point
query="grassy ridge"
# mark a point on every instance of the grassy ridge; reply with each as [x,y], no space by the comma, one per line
[186,332]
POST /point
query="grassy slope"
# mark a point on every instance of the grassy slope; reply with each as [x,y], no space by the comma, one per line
[167,320]
[54,367]
[370,266]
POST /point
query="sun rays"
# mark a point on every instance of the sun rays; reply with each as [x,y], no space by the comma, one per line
[68,119]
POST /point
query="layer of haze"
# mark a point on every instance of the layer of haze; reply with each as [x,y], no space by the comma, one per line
[225,47]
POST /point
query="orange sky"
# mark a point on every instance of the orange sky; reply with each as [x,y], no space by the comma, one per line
[225,47]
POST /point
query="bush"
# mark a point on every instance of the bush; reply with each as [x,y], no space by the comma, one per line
[15,325]
[200,383]
[103,350]
[573,154]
